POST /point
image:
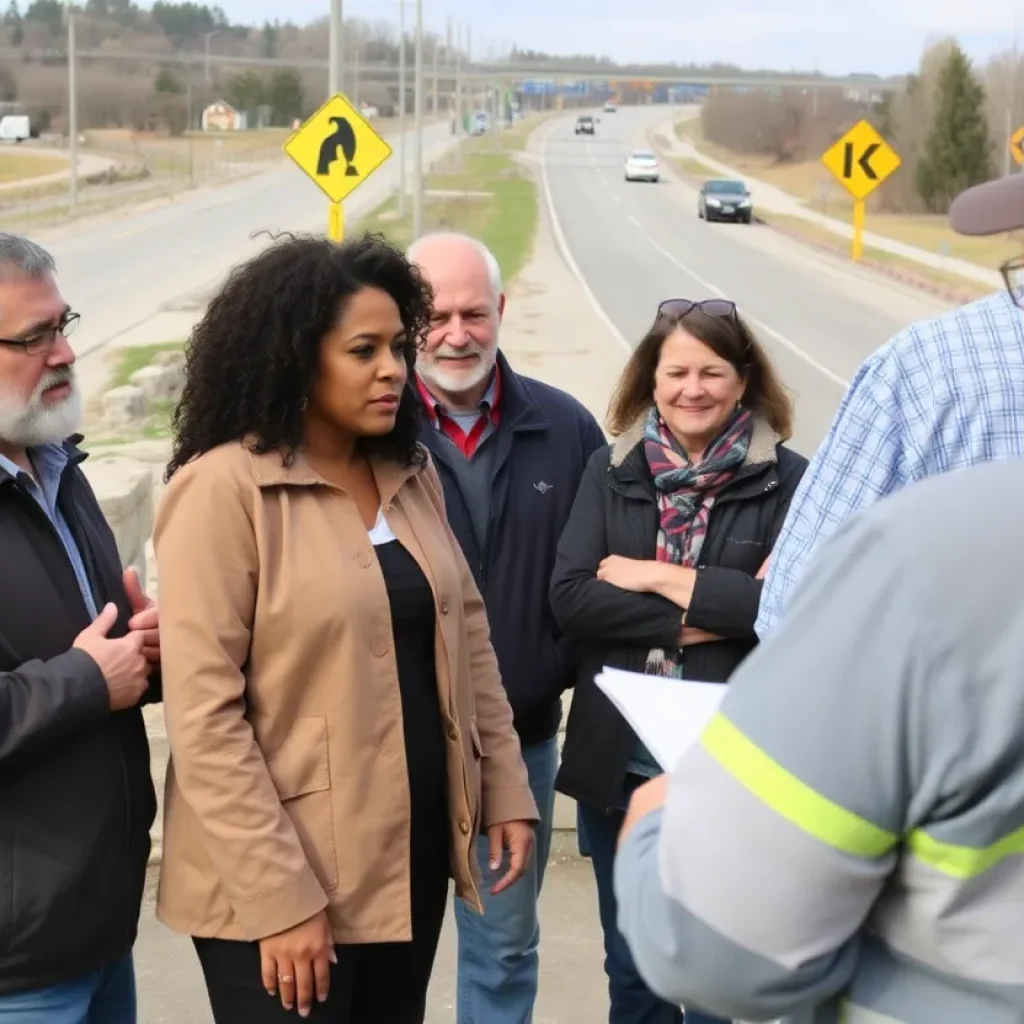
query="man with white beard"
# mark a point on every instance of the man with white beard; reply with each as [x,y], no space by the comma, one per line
[79,652]
[510,452]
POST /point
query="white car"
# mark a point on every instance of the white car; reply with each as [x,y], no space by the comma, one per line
[642,165]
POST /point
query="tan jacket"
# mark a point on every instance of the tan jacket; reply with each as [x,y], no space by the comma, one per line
[287,790]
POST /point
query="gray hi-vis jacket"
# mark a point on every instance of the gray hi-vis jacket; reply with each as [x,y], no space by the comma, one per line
[845,843]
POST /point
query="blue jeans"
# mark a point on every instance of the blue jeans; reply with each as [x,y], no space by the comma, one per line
[632,1002]
[106,996]
[498,953]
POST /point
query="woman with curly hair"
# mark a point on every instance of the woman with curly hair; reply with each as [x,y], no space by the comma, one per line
[338,729]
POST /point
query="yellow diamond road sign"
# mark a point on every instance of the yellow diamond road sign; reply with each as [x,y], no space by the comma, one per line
[861,160]
[337,148]
[1017,146]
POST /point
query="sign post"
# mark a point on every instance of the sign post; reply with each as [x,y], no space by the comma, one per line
[1017,147]
[337,149]
[861,160]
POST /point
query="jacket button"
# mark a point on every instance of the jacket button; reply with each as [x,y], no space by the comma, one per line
[444,606]
[453,732]
[464,827]
[380,647]
[363,559]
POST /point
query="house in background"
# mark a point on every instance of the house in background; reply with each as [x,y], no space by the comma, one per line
[222,117]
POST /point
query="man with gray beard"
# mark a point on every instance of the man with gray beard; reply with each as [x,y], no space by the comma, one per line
[79,653]
[510,452]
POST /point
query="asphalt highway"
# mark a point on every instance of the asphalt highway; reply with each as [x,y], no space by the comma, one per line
[633,244]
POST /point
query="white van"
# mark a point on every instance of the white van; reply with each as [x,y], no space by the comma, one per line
[15,128]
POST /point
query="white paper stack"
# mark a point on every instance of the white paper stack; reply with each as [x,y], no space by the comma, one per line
[667,714]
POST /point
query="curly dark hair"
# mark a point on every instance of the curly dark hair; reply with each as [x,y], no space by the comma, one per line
[253,358]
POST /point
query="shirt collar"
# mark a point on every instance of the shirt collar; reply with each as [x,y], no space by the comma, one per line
[48,463]
[490,403]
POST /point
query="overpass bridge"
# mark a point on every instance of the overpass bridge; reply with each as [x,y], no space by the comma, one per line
[507,73]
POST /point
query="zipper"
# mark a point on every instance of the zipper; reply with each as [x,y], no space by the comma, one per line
[89,561]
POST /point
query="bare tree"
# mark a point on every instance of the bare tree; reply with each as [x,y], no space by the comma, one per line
[1004,90]
[912,111]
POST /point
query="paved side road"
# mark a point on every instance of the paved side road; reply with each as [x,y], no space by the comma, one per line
[572,985]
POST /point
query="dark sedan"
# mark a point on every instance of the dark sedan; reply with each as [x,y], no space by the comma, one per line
[725,200]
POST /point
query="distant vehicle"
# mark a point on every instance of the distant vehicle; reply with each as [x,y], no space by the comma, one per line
[15,128]
[584,125]
[725,200]
[609,107]
[642,165]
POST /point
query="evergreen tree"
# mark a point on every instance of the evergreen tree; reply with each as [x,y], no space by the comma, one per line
[270,40]
[13,20]
[957,153]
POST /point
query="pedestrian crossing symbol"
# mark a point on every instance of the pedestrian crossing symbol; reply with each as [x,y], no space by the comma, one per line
[337,148]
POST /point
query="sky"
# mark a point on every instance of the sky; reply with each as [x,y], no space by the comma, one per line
[870,36]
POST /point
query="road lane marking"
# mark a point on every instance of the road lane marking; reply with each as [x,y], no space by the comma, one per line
[563,246]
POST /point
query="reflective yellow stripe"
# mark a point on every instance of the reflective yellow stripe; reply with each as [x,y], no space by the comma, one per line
[964,861]
[794,800]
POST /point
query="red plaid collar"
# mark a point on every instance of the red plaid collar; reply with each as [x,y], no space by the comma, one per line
[441,419]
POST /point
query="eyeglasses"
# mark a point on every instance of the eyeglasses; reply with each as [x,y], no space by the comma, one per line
[676,309]
[43,340]
[1011,271]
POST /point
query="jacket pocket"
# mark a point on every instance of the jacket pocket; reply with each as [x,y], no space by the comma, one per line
[300,770]
[474,738]
[476,775]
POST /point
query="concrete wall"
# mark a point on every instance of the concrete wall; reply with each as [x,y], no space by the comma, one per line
[124,488]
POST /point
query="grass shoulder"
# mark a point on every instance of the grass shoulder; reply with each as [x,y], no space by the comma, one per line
[481,190]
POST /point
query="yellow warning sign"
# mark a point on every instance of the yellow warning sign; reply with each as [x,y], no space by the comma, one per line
[337,148]
[861,160]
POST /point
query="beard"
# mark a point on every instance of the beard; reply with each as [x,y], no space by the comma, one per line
[27,423]
[454,382]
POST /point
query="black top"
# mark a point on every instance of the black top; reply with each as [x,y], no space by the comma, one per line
[541,447]
[616,513]
[413,624]
[76,799]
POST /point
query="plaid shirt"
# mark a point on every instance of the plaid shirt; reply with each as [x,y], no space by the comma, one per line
[941,395]
[487,421]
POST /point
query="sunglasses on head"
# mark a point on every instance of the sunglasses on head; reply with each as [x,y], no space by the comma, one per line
[676,309]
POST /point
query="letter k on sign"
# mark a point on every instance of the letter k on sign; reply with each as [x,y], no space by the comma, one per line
[861,160]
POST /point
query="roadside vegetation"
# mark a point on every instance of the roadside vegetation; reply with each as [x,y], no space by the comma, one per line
[947,123]
[17,166]
[481,190]
[125,363]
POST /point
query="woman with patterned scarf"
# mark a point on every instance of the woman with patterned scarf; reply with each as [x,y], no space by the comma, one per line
[659,569]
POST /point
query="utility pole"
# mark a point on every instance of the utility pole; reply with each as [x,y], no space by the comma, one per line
[417,204]
[458,96]
[335,83]
[336,212]
[72,106]
[403,98]
[206,48]
[433,101]
[355,73]
[449,37]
